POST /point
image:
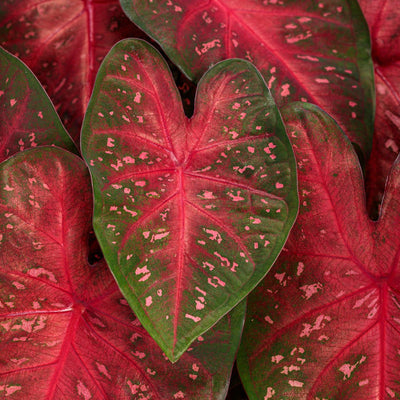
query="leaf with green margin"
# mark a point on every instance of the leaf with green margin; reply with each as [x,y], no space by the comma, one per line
[66,332]
[383,19]
[315,51]
[325,322]
[28,118]
[190,214]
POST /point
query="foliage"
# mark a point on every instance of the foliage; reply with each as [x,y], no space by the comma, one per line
[193,213]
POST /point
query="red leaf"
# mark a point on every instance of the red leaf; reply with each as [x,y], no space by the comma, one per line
[306,50]
[63,42]
[27,116]
[325,321]
[190,214]
[65,330]
[383,20]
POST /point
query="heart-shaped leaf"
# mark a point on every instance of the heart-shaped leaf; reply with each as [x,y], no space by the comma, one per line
[316,51]
[325,322]
[64,42]
[190,214]
[65,330]
[27,116]
[383,20]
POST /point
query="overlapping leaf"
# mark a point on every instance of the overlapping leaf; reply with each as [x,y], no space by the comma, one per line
[190,214]
[27,116]
[306,50]
[383,20]
[63,42]
[66,332]
[325,323]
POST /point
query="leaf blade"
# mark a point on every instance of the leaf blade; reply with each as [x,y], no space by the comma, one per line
[300,52]
[64,42]
[385,54]
[63,322]
[27,114]
[187,186]
[336,336]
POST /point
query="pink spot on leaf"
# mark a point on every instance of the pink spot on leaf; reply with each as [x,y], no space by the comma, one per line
[285,90]
[296,383]
[193,318]
[83,391]
[322,80]
[149,301]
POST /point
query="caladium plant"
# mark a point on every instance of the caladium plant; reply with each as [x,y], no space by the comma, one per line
[383,19]
[309,51]
[190,213]
[28,118]
[64,42]
[329,311]
[66,332]
[315,51]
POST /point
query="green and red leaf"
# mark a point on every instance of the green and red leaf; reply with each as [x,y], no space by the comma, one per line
[64,42]
[28,118]
[383,20]
[325,323]
[306,50]
[190,214]
[66,332]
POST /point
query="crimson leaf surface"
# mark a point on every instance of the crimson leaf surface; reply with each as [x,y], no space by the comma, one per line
[27,116]
[325,323]
[64,42]
[190,214]
[383,20]
[66,332]
[315,51]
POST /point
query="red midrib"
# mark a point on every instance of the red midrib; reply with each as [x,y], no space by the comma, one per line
[91,73]
[382,339]
[181,253]
[65,349]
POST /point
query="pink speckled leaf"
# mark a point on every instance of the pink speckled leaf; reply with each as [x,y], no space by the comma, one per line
[66,332]
[325,323]
[27,116]
[383,19]
[63,42]
[190,214]
[315,51]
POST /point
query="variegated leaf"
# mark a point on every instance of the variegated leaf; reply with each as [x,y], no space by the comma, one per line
[190,214]
[314,51]
[66,332]
[325,323]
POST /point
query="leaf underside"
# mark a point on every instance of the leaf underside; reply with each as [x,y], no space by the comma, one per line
[325,323]
[28,118]
[64,42]
[190,214]
[311,51]
[66,332]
